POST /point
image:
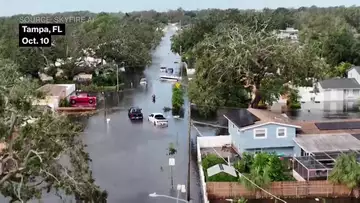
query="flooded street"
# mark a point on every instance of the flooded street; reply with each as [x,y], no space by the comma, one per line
[130,159]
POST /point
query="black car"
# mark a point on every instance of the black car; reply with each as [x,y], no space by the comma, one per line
[135,113]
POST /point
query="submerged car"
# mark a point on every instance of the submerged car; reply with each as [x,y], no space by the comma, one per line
[158,119]
[135,113]
[143,81]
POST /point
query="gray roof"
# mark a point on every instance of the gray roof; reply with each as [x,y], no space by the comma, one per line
[218,168]
[340,83]
[241,117]
[316,143]
[357,68]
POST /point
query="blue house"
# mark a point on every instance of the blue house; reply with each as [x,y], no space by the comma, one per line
[255,130]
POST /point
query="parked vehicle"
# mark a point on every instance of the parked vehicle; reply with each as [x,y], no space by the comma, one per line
[135,113]
[158,119]
[170,78]
[163,69]
[143,82]
[82,100]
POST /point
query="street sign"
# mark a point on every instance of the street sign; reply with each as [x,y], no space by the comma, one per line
[171,161]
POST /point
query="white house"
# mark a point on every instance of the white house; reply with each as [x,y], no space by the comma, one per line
[341,89]
[288,33]
[53,94]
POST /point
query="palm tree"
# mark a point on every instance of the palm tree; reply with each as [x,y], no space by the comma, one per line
[346,171]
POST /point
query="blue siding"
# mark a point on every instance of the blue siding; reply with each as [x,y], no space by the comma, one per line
[245,141]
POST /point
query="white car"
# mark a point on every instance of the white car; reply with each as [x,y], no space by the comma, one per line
[158,119]
[143,81]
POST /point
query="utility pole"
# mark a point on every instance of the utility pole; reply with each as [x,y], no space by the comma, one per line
[189,163]
[181,64]
[117,78]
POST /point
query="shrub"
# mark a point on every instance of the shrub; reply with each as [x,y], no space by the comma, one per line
[177,97]
[64,103]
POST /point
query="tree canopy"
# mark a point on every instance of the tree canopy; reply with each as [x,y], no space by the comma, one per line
[42,151]
[240,61]
[110,37]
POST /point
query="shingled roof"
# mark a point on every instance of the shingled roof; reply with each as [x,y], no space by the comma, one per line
[340,83]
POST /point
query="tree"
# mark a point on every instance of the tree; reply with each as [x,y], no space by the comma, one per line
[237,60]
[177,98]
[42,151]
[346,171]
[264,169]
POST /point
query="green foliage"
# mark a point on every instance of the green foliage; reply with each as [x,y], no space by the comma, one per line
[244,165]
[265,168]
[293,99]
[341,70]
[177,98]
[227,70]
[222,177]
[64,103]
[211,160]
[171,149]
[235,54]
[111,37]
[242,200]
[346,171]
[31,162]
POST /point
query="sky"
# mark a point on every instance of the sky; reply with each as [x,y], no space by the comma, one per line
[13,7]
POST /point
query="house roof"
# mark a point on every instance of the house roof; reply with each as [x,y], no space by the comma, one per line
[340,83]
[309,127]
[266,116]
[357,68]
[316,143]
[216,169]
[241,117]
[53,90]
[267,123]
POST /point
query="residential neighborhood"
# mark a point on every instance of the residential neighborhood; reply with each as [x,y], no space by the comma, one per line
[212,104]
[311,148]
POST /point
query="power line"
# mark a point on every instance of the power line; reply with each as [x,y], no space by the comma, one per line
[242,175]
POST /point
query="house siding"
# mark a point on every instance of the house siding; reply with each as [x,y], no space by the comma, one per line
[354,74]
[244,141]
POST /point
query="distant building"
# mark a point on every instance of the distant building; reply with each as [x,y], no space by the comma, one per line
[83,77]
[53,94]
[288,33]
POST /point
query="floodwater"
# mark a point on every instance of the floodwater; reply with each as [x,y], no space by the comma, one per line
[130,159]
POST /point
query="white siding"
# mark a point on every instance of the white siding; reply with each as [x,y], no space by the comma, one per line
[354,74]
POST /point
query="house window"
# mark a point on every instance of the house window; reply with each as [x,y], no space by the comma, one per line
[280,132]
[356,92]
[260,133]
[257,150]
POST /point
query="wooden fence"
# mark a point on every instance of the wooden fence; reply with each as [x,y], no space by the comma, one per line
[291,189]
